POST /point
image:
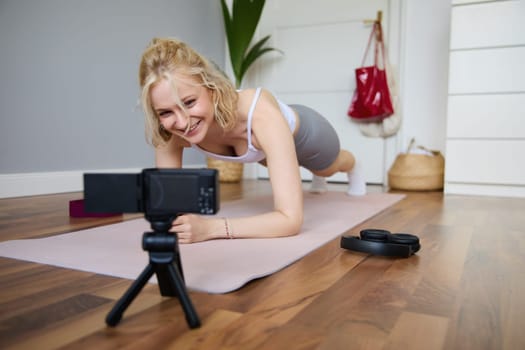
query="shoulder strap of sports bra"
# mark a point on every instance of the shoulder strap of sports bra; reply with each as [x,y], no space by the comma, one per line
[250,116]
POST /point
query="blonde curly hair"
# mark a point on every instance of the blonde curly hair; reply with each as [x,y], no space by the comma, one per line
[165,56]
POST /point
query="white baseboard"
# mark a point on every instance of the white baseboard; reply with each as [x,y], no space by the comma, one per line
[33,184]
[485,190]
[250,171]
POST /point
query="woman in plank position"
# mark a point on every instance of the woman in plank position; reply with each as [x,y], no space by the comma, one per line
[189,102]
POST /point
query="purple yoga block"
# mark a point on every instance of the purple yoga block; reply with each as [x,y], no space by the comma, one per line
[76,210]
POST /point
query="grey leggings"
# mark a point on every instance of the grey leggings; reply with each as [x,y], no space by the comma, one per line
[316,142]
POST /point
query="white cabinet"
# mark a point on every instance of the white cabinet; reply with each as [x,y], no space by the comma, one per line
[485,147]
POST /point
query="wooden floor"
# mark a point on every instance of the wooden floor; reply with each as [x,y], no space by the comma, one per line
[465,289]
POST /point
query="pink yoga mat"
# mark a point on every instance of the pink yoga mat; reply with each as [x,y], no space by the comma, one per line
[217,266]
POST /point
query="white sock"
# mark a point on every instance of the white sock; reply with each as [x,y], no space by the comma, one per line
[356,181]
[318,185]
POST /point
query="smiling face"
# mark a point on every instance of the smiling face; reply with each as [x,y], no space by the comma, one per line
[217,106]
[183,106]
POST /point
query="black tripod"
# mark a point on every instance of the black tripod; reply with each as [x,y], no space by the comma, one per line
[164,261]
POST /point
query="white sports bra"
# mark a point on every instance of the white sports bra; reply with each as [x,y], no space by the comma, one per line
[253,154]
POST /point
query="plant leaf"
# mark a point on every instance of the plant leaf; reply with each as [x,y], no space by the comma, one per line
[227,18]
[245,67]
[246,15]
[240,28]
[255,52]
[229,30]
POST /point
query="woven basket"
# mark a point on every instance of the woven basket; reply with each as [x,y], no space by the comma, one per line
[228,171]
[417,172]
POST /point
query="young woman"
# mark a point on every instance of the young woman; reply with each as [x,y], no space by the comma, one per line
[189,102]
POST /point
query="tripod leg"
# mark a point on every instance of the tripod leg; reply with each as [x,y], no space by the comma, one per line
[122,304]
[179,264]
[191,315]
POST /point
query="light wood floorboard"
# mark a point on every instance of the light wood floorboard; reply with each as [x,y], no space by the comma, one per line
[464,290]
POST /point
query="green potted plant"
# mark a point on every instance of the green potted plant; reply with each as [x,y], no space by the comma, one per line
[240,25]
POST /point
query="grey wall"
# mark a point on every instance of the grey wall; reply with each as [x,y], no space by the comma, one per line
[68,78]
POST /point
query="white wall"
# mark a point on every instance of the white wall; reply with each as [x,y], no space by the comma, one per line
[69,84]
[424,72]
[423,81]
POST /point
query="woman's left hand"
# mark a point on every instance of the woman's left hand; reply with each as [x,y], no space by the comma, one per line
[191,228]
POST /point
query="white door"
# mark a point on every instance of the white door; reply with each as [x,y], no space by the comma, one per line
[323,42]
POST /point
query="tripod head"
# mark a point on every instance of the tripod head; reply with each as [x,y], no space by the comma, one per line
[161,223]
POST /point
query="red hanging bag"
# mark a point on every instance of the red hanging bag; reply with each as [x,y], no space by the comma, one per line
[372,101]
